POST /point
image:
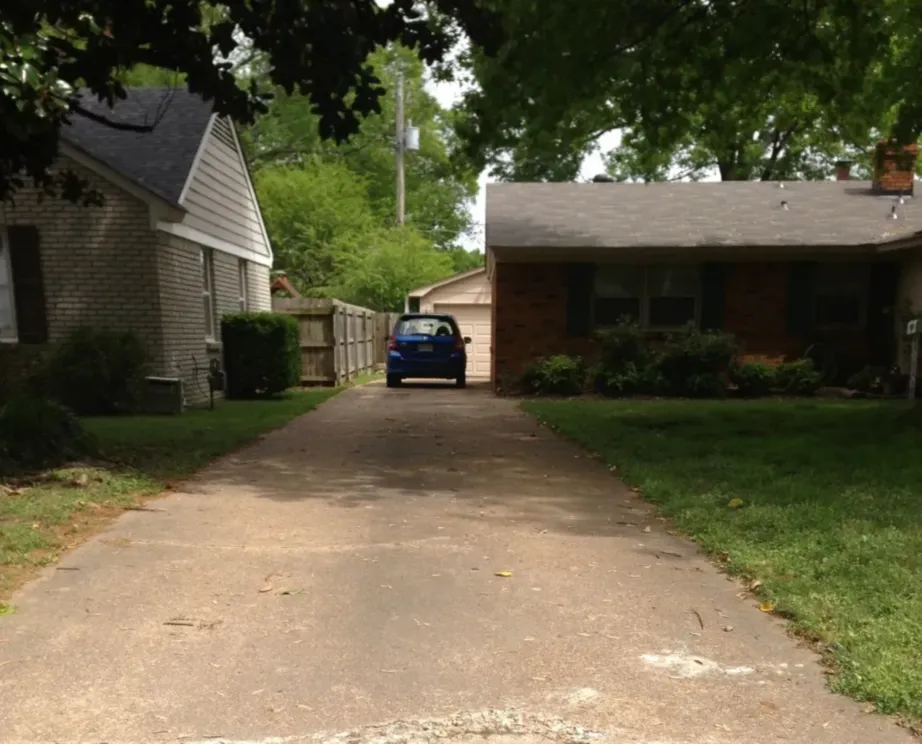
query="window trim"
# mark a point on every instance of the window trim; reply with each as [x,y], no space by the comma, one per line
[644,320]
[6,258]
[243,284]
[862,296]
[207,264]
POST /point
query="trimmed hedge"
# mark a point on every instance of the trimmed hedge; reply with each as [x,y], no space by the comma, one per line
[262,354]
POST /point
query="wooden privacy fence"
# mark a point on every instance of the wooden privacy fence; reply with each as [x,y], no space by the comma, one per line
[339,342]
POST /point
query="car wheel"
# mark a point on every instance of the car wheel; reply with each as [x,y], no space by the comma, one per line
[393,381]
[461,381]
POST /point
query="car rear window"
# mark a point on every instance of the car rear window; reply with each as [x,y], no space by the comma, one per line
[425,325]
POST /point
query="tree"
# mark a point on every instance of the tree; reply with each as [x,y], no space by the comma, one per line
[397,261]
[772,131]
[330,242]
[695,82]
[49,50]
[438,189]
[318,218]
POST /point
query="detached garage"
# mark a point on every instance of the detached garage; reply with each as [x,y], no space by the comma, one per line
[468,297]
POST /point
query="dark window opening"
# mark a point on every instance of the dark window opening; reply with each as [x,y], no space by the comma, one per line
[671,312]
[610,311]
[842,311]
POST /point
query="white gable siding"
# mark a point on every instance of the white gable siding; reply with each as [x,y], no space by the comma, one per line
[472,290]
[219,197]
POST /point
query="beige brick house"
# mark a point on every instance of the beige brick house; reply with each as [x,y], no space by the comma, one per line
[178,242]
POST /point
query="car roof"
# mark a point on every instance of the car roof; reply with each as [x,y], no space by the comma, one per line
[407,316]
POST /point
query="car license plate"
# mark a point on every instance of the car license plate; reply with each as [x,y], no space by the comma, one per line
[424,347]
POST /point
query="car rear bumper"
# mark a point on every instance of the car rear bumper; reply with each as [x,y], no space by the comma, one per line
[421,369]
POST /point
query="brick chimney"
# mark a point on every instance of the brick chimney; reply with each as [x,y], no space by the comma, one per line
[894,168]
[843,170]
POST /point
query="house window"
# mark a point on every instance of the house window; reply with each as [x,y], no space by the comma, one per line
[242,284]
[7,302]
[208,293]
[840,296]
[655,297]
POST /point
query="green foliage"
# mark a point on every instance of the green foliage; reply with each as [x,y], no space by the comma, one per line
[753,379]
[692,362]
[330,209]
[799,377]
[625,363]
[96,371]
[556,375]
[624,344]
[394,262]
[262,354]
[318,218]
[829,90]
[438,189]
[37,433]
[49,51]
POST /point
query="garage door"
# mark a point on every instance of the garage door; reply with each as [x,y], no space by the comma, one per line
[474,321]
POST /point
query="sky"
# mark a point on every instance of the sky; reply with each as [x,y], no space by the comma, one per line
[447,95]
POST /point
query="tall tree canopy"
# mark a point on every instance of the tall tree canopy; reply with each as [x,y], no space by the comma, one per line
[438,190]
[51,48]
[330,208]
[765,88]
[553,74]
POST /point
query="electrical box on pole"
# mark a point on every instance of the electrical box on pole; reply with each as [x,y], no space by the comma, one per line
[411,138]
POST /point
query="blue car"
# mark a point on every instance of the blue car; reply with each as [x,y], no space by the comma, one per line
[426,346]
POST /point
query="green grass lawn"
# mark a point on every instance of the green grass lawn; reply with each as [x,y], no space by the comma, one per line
[140,455]
[830,522]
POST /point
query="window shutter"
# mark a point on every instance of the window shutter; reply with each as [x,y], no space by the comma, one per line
[579,299]
[800,298]
[28,284]
[713,296]
[882,288]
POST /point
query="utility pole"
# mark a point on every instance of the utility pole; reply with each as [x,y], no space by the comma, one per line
[401,144]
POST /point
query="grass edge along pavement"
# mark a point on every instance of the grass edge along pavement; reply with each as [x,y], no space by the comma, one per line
[815,503]
[49,513]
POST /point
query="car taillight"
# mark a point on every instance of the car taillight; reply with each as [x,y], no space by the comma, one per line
[391,343]
[459,344]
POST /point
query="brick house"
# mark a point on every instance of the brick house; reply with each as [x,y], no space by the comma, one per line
[779,265]
[178,242]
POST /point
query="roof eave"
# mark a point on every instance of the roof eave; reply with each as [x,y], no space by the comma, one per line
[716,251]
[165,208]
[901,244]
[422,291]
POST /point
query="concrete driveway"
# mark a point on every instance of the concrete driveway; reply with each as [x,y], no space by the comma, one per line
[339,575]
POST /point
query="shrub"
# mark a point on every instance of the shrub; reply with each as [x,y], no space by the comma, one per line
[753,379]
[625,361]
[799,378]
[556,375]
[631,380]
[38,433]
[262,353]
[623,346]
[95,372]
[705,385]
[692,362]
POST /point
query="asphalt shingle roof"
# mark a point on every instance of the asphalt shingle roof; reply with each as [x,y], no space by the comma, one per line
[160,160]
[666,215]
